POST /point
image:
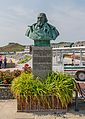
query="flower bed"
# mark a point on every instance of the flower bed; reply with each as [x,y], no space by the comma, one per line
[7,76]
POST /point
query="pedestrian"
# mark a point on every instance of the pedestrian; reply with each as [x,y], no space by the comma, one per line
[72,62]
[5,62]
[10,61]
[0,61]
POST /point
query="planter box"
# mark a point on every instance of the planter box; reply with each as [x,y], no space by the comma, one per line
[32,104]
[5,92]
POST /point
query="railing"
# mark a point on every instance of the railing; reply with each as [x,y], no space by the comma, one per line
[68,65]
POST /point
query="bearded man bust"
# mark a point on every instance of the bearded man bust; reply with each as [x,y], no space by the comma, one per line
[42,32]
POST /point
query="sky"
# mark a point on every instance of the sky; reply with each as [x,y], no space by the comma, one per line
[68,16]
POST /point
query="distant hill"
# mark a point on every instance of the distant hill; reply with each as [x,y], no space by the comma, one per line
[12,47]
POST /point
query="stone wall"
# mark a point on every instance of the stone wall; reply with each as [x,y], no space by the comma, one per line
[5,92]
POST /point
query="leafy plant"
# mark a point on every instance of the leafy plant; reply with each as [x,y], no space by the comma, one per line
[16,72]
[1,77]
[27,68]
[22,85]
[59,85]
[7,76]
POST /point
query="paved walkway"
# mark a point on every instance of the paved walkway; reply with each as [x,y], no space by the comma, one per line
[8,110]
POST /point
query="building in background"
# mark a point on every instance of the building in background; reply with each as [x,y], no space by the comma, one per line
[79,43]
[27,49]
[61,44]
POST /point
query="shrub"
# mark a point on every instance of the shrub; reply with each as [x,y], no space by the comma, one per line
[16,73]
[27,68]
[1,77]
[60,85]
[7,76]
[21,84]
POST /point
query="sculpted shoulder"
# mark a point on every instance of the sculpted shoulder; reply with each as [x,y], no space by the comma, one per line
[41,30]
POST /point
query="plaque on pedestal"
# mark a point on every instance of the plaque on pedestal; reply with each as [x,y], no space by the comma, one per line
[42,61]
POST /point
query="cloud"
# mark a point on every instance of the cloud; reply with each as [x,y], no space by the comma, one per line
[70,22]
[67,16]
[17,11]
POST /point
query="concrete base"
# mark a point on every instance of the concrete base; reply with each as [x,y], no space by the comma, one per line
[42,61]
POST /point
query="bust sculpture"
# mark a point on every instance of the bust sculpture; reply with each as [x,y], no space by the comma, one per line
[42,32]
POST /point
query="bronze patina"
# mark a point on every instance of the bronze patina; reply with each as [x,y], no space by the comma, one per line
[42,32]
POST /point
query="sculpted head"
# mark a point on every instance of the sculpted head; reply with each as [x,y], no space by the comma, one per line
[41,19]
[41,31]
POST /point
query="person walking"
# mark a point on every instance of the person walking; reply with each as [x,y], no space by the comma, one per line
[5,62]
[0,61]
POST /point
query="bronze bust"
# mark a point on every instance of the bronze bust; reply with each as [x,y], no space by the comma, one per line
[42,32]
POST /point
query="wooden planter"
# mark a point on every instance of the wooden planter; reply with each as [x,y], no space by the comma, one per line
[46,103]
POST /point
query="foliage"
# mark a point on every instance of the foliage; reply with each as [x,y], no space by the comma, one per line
[27,68]
[16,73]
[25,59]
[12,47]
[6,77]
[21,84]
[60,85]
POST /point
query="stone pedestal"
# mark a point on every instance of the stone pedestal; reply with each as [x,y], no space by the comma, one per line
[42,61]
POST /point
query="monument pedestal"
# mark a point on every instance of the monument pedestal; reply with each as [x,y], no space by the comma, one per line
[42,61]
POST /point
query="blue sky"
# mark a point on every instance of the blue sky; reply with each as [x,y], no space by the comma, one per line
[68,16]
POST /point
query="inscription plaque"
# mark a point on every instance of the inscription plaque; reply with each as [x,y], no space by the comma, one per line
[42,61]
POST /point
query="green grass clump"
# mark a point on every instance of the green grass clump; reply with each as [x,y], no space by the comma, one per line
[56,84]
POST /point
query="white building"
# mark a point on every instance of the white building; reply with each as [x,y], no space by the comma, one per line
[79,43]
[27,49]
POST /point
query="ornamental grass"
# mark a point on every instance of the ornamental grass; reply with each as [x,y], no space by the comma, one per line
[59,85]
